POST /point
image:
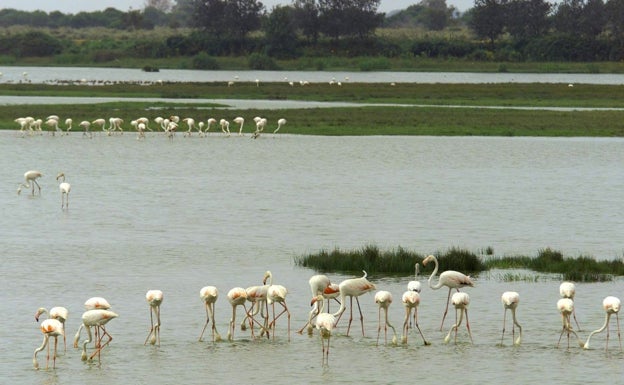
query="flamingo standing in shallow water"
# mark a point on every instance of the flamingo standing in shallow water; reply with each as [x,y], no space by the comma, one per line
[64,188]
[209,295]
[239,120]
[568,290]
[450,278]
[566,308]
[510,300]
[325,323]
[319,284]
[383,299]
[411,300]
[611,305]
[353,287]
[30,181]
[96,318]
[58,313]
[276,293]
[49,328]
[236,297]
[154,298]
[460,301]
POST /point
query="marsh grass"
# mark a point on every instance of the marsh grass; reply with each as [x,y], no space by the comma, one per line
[400,261]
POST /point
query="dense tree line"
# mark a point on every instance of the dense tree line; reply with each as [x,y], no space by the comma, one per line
[504,30]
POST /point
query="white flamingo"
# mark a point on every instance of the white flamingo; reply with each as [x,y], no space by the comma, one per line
[281,122]
[241,121]
[30,181]
[64,188]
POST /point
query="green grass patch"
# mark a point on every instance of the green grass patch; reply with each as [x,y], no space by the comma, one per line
[400,261]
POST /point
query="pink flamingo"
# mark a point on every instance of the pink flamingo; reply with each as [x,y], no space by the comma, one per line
[461,302]
[411,300]
[383,299]
[154,299]
[510,300]
[353,287]
[209,295]
[611,305]
[50,328]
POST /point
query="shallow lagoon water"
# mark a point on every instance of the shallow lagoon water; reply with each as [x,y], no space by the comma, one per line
[178,215]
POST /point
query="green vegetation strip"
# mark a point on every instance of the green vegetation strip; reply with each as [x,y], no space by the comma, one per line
[401,262]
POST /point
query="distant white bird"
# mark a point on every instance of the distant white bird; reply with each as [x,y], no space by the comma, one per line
[568,290]
[64,188]
[415,284]
[383,299]
[461,301]
[566,308]
[611,305]
[154,298]
[209,295]
[280,123]
[30,181]
[510,300]
[241,121]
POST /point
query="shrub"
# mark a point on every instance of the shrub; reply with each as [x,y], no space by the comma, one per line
[202,61]
[261,62]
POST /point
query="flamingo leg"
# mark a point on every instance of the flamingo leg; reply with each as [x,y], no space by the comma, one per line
[504,322]
[357,301]
[206,324]
[468,326]
[351,315]
[215,332]
[577,324]
[406,322]
[617,318]
[151,326]
[54,356]
[425,342]
[448,300]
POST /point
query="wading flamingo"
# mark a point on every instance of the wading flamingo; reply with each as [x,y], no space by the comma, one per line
[209,295]
[236,297]
[353,287]
[611,305]
[568,290]
[276,293]
[460,301]
[411,300]
[30,181]
[58,313]
[415,285]
[93,303]
[280,123]
[154,298]
[64,188]
[566,308]
[450,278]
[324,323]
[225,126]
[510,300]
[318,283]
[239,120]
[49,328]
[383,299]
[96,318]
[85,124]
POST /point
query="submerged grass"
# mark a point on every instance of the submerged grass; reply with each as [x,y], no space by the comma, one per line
[400,261]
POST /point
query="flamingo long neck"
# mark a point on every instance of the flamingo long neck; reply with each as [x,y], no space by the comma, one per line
[343,304]
[599,330]
[435,271]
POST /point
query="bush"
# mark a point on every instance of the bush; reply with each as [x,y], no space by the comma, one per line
[202,61]
[261,62]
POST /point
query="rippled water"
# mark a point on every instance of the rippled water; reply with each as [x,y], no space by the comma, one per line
[178,215]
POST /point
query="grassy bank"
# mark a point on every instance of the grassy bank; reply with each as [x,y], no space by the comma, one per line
[424,109]
[400,261]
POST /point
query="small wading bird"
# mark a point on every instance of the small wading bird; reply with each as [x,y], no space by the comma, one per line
[93,303]
[64,188]
[320,284]
[276,293]
[236,297]
[383,299]
[209,295]
[154,298]
[325,323]
[49,328]
[450,278]
[510,300]
[58,313]
[611,305]
[460,301]
[353,287]
[566,308]
[30,181]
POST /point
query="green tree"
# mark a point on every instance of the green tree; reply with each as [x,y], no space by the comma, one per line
[306,16]
[527,19]
[349,17]
[280,32]
[488,19]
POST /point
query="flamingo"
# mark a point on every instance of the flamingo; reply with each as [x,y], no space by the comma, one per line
[353,287]
[49,328]
[100,122]
[325,323]
[209,123]
[64,188]
[209,295]
[30,181]
[145,121]
[200,129]
[93,303]
[276,293]
[97,318]
[510,300]
[568,290]
[53,123]
[611,305]
[236,297]
[317,283]
[257,295]
[239,120]
[383,299]
[58,313]
[460,301]
[280,123]
[68,125]
[411,300]
[566,308]
[260,124]
[154,299]
[225,126]
[415,284]
[85,124]
[450,278]
[190,122]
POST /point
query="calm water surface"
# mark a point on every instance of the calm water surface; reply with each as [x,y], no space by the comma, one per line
[178,215]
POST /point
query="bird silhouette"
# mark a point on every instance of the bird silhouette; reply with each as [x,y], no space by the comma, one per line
[611,305]
[510,300]
[460,301]
[353,287]
[383,299]
[49,328]
[154,298]
[450,278]
[209,295]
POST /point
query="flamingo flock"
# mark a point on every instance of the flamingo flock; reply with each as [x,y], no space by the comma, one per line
[98,313]
[167,125]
